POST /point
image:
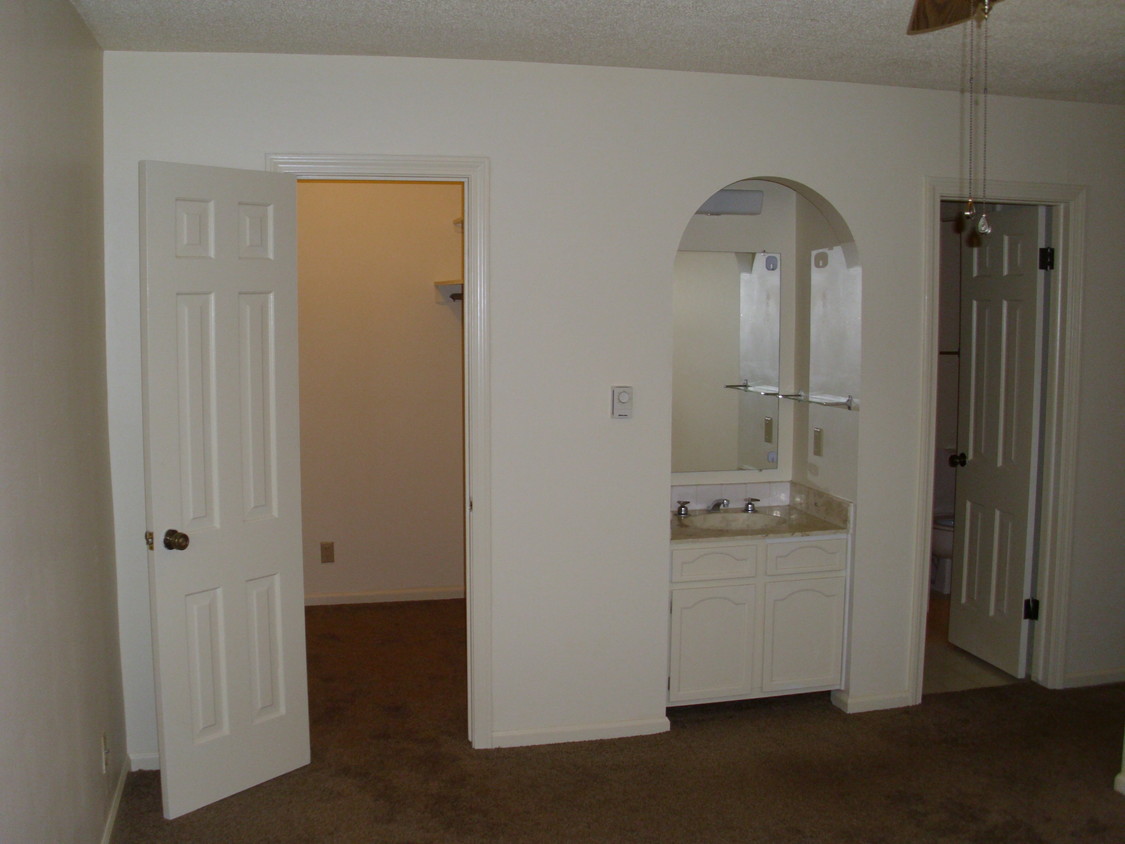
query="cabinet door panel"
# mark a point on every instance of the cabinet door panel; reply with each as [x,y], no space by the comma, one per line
[804,634]
[712,651]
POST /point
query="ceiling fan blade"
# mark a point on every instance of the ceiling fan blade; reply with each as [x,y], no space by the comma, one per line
[929,15]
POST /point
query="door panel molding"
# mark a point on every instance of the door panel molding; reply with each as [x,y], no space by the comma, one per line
[473,173]
[226,598]
[1060,400]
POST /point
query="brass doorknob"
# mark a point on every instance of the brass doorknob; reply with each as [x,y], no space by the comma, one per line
[176,541]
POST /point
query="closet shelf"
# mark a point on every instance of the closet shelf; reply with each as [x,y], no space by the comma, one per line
[449,291]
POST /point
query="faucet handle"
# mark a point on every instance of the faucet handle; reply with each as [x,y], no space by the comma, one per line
[750,502]
[682,509]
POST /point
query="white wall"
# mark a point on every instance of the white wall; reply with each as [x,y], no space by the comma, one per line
[381,395]
[588,202]
[60,682]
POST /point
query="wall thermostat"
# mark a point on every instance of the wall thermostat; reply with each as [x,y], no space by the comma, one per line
[622,405]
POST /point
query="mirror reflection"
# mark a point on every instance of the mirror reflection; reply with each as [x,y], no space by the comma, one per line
[727,360]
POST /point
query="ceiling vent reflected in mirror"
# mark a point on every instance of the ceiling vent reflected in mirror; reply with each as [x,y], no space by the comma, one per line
[732,201]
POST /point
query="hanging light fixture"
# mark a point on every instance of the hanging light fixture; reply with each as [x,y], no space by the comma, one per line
[978,66]
[930,15]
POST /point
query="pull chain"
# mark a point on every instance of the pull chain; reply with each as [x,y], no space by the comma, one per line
[983,226]
[970,211]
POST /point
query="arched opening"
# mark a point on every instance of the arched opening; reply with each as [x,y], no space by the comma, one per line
[766,393]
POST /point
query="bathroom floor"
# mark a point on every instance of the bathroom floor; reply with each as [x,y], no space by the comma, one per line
[948,668]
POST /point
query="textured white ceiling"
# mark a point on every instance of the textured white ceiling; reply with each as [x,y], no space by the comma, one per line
[1056,49]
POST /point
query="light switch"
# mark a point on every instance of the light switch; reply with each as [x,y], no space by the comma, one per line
[622,405]
[818,442]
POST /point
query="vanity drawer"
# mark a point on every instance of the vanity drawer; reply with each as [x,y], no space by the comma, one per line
[715,562]
[806,555]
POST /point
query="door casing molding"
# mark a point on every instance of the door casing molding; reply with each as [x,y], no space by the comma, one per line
[1059,433]
[473,173]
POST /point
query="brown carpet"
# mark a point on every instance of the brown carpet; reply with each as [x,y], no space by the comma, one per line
[391,763]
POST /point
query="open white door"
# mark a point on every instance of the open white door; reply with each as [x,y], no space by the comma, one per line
[997,432]
[222,477]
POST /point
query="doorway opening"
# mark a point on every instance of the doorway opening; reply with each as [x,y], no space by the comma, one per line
[380,266]
[472,175]
[1035,437]
[382,425]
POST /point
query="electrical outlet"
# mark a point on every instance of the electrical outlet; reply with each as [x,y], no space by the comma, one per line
[105,753]
[327,552]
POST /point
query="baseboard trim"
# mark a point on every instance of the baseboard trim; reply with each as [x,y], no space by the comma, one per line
[440,593]
[584,732]
[853,704]
[114,805]
[144,761]
[1094,678]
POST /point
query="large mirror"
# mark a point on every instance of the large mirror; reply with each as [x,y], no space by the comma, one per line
[835,284]
[728,296]
[767,305]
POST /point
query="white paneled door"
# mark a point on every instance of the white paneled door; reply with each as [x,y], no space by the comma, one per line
[997,435]
[222,478]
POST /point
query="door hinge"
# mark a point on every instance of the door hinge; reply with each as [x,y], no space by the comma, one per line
[148,539]
[1031,609]
[1047,258]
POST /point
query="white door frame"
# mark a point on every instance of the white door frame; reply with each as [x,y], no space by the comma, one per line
[473,173]
[1059,433]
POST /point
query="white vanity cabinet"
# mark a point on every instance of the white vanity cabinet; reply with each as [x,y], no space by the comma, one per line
[756,617]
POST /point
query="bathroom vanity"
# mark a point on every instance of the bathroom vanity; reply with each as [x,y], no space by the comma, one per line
[759,611]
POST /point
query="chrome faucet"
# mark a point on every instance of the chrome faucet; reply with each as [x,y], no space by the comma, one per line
[750,508]
[718,504]
[682,509]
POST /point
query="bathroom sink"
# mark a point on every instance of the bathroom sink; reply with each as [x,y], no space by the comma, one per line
[733,520]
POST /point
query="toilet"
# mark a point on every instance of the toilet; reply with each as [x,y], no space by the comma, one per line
[941,554]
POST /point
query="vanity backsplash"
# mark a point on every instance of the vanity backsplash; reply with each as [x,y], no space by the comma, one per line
[774,494]
[818,503]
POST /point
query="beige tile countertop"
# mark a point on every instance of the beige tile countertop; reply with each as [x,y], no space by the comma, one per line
[767,522]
